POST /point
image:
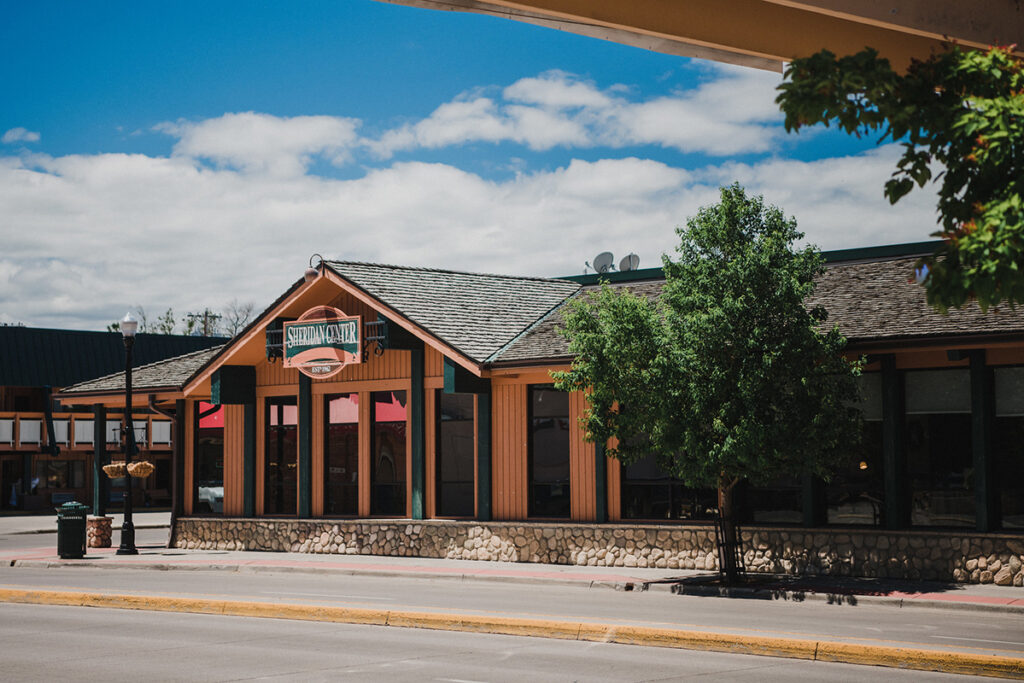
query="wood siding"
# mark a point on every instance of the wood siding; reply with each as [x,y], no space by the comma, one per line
[234,460]
[582,468]
[509,451]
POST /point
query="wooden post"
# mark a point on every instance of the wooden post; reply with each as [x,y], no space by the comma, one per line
[305,401]
[983,408]
[894,450]
[100,482]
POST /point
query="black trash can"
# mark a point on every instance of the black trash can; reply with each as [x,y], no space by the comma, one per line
[71,530]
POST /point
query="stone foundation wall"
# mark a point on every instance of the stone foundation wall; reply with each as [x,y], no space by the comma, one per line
[942,556]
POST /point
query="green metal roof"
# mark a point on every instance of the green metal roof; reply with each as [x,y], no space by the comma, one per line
[886,251]
[34,357]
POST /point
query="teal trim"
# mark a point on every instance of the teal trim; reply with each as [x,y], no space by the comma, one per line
[458,380]
[100,481]
[233,385]
[483,457]
[417,428]
[600,483]
[249,460]
[305,434]
[894,453]
[983,409]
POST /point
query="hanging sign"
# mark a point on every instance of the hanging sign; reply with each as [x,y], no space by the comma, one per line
[322,342]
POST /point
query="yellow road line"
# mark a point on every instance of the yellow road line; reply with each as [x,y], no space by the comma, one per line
[793,648]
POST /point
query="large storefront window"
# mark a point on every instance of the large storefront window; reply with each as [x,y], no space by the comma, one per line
[856,493]
[387,490]
[1008,445]
[549,453]
[939,447]
[59,474]
[455,450]
[341,455]
[780,501]
[649,492]
[209,460]
[281,471]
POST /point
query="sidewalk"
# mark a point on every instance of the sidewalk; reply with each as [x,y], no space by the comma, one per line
[797,589]
[47,523]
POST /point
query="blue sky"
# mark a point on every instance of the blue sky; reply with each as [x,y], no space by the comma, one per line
[187,154]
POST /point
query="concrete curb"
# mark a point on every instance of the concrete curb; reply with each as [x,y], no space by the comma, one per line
[834,598]
[339,571]
[825,651]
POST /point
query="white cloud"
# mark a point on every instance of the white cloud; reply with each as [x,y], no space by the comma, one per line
[731,113]
[261,143]
[19,134]
[87,236]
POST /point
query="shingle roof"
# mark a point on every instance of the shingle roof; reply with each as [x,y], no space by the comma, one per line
[171,373]
[478,314]
[35,357]
[870,301]
[875,300]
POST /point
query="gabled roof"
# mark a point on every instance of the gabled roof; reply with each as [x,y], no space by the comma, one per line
[171,373]
[870,300]
[477,314]
[35,357]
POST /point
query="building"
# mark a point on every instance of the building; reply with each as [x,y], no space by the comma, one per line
[47,454]
[431,429]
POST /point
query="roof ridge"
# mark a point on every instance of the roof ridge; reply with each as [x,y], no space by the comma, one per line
[535,278]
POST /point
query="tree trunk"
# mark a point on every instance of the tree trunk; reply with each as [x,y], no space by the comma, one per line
[728,545]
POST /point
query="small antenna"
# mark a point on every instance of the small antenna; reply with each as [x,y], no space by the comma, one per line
[604,262]
[630,262]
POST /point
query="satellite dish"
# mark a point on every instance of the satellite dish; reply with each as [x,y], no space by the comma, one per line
[631,262]
[603,262]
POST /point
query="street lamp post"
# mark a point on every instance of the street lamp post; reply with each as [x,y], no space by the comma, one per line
[128,327]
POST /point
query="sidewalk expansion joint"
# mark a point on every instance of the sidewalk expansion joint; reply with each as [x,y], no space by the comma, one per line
[792,648]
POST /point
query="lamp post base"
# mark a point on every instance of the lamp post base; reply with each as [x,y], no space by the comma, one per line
[127,546]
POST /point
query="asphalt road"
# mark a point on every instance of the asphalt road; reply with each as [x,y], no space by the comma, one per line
[45,643]
[916,627]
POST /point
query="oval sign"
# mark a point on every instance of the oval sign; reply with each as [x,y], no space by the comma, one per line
[322,342]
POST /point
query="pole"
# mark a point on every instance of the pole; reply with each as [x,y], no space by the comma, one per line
[127,527]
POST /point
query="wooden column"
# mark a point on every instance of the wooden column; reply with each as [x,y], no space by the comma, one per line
[417,429]
[178,460]
[894,450]
[100,482]
[305,429]
[983,409]
[600,483]
[483,457]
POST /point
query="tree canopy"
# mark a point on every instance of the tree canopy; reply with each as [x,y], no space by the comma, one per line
[727,375]
[961,110]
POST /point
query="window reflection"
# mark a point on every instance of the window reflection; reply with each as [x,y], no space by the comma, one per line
[455,452]
[341,456]
[281,457]
[387,490]
[1008,445]
[856,493]
[549,452]
[209,460]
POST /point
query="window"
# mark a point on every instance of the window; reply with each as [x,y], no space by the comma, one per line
[281,457]
[341,455]
[650,492]
[1008,445]
[455,455]
[387,478]
[939,447]
[780,501]
[549,452]
[856,493]
[59,474]
[209,461]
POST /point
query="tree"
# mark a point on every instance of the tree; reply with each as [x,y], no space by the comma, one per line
[237,316]
[165,323]
[728,376]
[961,109]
